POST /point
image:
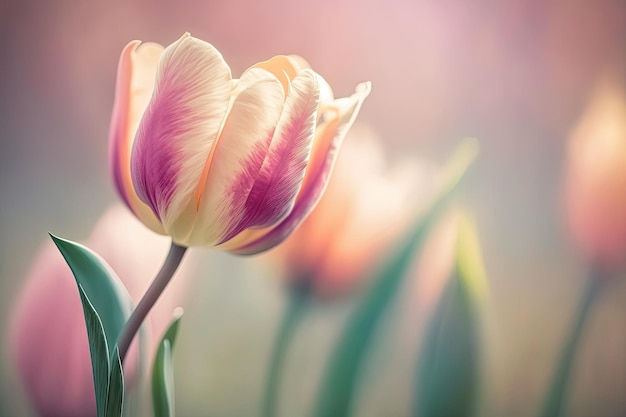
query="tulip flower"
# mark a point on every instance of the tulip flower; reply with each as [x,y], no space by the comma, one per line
[366,206]
[595,198]
[215,161]
[596,176]
[48,338]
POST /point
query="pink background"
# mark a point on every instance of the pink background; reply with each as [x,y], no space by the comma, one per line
[514,74]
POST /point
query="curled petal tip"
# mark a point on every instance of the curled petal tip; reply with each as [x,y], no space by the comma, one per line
[364,88]
[298,62]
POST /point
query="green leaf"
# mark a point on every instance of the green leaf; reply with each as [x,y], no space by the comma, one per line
[98,350]
[163,371]
[448,378]
[115,395]
[339,381]
[107,306]
[104,289]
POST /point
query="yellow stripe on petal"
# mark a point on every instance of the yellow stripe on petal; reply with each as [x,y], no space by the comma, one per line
[284,68]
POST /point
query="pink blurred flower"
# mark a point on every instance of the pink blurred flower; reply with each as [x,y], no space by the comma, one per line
[215,161]
[366,206]
[48,339]
[596,176]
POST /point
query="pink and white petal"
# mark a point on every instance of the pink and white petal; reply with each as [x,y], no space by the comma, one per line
[340,115]
[327,143]
[326,92]
[284,68]
[135,82]
[280,178]
[298,62]
[179,127]
[238,156]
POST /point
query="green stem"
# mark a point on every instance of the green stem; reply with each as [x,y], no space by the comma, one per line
[292,316]
[557,395]
[153,293]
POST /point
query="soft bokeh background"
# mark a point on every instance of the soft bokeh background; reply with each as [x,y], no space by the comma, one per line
[514,74]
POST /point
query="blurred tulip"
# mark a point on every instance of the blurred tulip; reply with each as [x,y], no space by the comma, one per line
[215,161]
[48,338]
[365,207]
[596,176]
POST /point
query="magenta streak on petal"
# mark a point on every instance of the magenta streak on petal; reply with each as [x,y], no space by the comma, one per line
[155,160]
[304,205]
[240,187]
[279,180]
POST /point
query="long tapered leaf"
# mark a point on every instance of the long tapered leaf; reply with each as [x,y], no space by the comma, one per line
[104,289]
[115,393]
[99,352]
[448,376]
[339,381]
[107,306]
[163,372]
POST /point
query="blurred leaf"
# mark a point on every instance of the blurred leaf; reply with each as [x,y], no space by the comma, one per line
[115,395]
[104,289]
[448,377]
[340,378]
[98,350]
[163,372]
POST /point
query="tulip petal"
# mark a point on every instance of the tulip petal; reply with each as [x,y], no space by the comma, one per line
[135,81]
[298,62]
[238,155]
[284,68]
[326,92]
[274,192]
[327,143]
[180,126]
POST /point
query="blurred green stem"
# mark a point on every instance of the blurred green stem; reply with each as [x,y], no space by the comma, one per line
[557,394]
[341,378]
[292,316]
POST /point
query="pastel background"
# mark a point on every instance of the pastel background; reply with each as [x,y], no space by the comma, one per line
[516,75]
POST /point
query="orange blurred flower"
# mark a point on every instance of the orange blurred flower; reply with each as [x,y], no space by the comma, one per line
[365,207]
[48,338]
[596,176]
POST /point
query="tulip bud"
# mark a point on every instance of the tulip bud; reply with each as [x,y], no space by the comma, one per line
[48,338]
[366,206]
[596,176]
[215,161]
